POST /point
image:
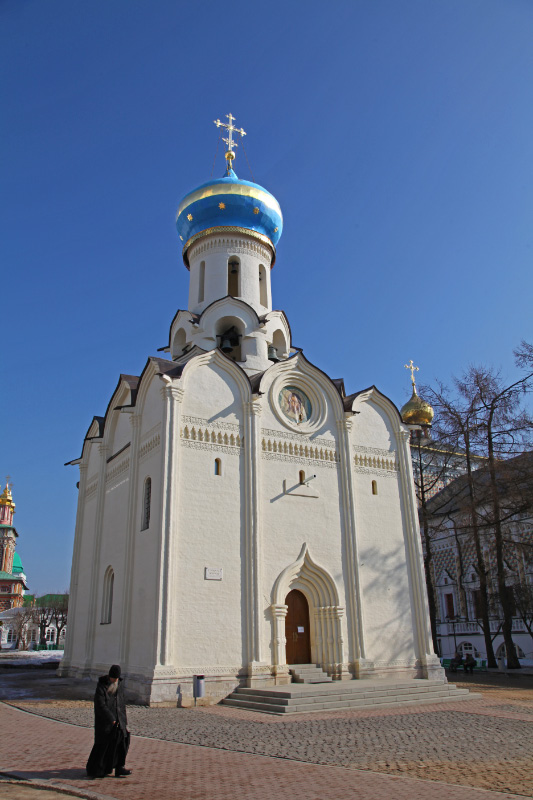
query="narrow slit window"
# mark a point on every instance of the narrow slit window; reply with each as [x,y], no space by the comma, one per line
[262,286]
[147,502]
[201,282]
[374,487]
[107,596]
[218,466]
[234,267]
[302,476]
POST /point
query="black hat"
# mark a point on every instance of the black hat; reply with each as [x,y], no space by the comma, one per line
[114,671]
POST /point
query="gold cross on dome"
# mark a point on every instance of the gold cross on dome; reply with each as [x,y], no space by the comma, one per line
[9,485]
[230,127]
[410,366]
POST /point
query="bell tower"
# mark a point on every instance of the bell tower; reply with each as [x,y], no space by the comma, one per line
[229,229]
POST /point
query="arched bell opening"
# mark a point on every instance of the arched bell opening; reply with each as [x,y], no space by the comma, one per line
[179,343]
[229,333]
[234,276]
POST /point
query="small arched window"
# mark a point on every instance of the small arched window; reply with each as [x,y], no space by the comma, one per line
[302,476]
[234,269]
[107,596]
[263,293]
[147,501]
[218,466]
[201,282]
[374,487]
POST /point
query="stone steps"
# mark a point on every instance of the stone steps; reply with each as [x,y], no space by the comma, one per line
[339,695]
[308,673]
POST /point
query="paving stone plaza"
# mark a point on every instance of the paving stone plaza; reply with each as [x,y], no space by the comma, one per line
[477,749]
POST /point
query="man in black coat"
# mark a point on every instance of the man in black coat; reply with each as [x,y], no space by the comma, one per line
[111,736]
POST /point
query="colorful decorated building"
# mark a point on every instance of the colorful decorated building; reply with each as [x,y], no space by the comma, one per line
[12,578]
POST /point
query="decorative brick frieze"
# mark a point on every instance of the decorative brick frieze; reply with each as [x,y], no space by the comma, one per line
[148,447]
[118,471]
[209,438]
[298,451]
[297,437]
[205,423]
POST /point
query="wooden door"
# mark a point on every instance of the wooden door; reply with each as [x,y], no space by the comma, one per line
[298,646]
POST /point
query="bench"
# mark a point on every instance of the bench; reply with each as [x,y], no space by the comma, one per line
[481,664]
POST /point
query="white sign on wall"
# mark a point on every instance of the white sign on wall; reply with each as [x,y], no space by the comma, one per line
[213,573]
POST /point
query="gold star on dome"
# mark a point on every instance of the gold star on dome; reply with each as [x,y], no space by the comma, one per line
[275,230]
[181,237]
[189,217]
[256,210]
[221,206]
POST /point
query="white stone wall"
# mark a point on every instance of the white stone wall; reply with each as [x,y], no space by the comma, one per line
[253,522]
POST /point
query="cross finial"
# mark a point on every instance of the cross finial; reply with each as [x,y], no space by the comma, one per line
[230,127]
[410,366]
[9,485]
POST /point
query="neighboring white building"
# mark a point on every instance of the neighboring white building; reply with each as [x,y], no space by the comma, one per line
[455,569]
[238,512]
[13,635]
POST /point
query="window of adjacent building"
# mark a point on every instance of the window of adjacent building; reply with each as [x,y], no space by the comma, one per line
[263,295]
[107,596]
[50,635]
[33,635]
[374,487]
[10,635]
[234,267]
[201,282]
[501,652]
[147,501]
[449,610]
[218,466]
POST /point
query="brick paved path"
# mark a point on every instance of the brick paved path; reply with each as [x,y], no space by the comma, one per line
[54,752]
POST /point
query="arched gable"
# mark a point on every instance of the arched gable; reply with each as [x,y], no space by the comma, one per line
[239,388]
[378,422]
[230,307]
[314,580]
[322,391]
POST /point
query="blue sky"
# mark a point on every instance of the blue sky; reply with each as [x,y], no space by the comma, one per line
[395,135]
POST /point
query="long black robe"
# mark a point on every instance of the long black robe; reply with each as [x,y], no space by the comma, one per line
[111,737]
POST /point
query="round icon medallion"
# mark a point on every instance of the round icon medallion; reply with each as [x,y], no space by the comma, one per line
[294,404]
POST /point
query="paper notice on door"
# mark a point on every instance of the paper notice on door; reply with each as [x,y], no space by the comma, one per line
[300,630]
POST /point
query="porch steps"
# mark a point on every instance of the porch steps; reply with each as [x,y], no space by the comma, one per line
[342,695]
[308,673]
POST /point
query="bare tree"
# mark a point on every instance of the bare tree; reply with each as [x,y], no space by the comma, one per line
[523,596]
[20,626]
[42,617]
[59,609]
[488,418]
[457,423]
[432,461]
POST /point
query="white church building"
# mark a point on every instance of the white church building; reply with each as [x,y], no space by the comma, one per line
[238,511]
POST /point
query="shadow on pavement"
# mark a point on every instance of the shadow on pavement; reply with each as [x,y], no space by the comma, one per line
[53,774]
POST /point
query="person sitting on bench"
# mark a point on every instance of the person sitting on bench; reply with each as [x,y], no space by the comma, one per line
[470,663]
[456,661]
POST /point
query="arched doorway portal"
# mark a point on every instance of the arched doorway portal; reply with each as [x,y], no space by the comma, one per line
[297,633]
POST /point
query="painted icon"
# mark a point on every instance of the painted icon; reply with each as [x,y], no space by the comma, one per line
[294,404]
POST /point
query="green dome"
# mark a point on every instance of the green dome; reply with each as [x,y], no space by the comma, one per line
[17,565]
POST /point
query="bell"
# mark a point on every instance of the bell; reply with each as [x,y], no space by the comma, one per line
[226,345]
[234,265]
[272,354]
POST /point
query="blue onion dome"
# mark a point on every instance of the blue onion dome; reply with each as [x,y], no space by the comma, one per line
[229,205]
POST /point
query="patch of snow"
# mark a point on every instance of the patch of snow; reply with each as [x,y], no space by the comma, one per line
[22,657]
